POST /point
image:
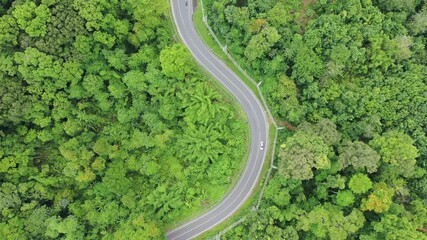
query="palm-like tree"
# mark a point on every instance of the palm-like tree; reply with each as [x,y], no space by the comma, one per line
[200,145]
[200,106]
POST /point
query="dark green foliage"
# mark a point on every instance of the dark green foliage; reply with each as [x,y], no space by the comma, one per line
[107,128]
[61,31]
[14,104]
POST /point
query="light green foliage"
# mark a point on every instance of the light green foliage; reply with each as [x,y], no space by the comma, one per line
[355,62]
[308,65]
[326,184]
[345,198]
[237,16]
[398,152]
[176,61]
[134,80]
[393,227]
[107,128]
[279,190]
[201,104]
[326,129]
[137,228]
[403,45]
[93,13]
[328,221]
[360,183]
[148,16]
[69,227]
[32,18]
[104,38]
[419,218]
[35,224]
[263,224]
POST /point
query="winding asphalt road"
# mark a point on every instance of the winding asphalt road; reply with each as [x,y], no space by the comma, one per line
[182,14]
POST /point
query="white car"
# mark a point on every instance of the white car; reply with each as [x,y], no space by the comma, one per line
[261,146]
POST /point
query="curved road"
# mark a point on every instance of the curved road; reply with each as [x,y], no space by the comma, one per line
[182,14]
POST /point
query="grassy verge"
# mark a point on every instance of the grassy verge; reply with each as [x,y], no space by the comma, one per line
[210,41]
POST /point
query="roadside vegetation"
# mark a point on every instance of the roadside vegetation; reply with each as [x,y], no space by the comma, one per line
[108,129]
[348,80]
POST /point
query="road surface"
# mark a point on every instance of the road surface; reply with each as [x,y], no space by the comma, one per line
[182,12]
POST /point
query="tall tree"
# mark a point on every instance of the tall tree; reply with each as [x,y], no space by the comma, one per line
[398,152]
[176,61]
[360,156]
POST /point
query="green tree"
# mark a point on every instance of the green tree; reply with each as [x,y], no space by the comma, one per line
[279,190]
[284,99]
[307,149]
[300,154]
[379,200]
[360,156]
[393,227]
[176,61]
[360,64]
[345,198]
[419,21]
[90,125]
[35,224]
[360,183]
[69,227]
[328,221]
[398,152]
[398,5]
[60,36]
[9,35]
[261,44]
[32,18]
[201,106]
[14,103]
[203,140]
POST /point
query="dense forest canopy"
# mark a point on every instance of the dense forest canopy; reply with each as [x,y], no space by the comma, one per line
[352,75]
[108,130]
